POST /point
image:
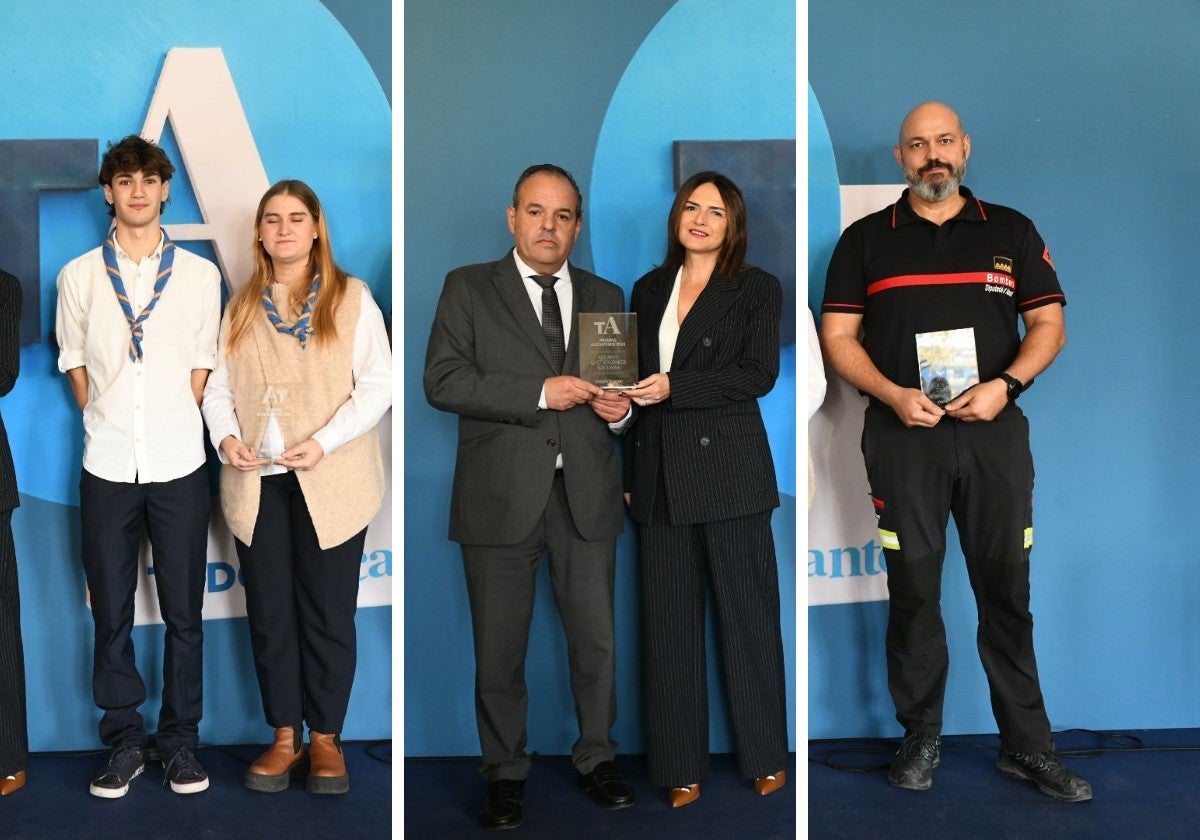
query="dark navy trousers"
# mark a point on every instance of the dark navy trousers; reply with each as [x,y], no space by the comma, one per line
[300,600]
[115,515]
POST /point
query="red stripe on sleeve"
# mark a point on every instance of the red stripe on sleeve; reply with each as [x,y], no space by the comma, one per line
[1025,304]
[832,304]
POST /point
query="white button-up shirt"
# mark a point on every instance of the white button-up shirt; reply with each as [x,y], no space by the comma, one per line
[566,301]
[141,422]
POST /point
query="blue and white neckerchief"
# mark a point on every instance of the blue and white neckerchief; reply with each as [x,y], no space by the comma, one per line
[302,329]
[160,283]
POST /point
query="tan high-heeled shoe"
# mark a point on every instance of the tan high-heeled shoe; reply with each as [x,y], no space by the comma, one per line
[686,795]
[13,783]
[770,784]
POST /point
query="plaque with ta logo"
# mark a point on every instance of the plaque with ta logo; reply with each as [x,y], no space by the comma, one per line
[608,354]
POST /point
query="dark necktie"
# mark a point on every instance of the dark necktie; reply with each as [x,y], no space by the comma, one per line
[552,324]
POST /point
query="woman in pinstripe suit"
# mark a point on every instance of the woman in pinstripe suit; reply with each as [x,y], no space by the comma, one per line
[14,739]
[700,483]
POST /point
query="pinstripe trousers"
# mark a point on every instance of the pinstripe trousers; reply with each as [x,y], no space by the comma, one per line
[677,561]
[14,737]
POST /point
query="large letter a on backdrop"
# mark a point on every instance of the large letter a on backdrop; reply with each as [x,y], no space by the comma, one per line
[196,92]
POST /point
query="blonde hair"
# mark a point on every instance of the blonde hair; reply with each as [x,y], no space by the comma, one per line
[246,305]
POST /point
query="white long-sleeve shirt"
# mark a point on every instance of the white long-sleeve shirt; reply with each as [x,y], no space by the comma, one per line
[371,365]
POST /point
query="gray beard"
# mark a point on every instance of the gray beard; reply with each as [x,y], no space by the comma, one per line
[940,191]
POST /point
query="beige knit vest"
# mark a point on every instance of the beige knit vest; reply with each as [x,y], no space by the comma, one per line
[305,388]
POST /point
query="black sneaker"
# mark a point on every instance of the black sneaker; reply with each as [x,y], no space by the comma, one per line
[184,772]
[912,768]
[124,765]
[1047,772]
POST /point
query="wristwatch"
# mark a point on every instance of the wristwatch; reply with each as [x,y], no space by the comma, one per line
[1015,386]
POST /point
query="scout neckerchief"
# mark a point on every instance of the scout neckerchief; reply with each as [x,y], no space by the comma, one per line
[114,274]
[302,329]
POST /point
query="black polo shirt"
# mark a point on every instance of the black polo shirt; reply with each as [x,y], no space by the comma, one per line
[905,275]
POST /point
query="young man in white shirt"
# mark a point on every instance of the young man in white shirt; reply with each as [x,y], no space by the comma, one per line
[137,329]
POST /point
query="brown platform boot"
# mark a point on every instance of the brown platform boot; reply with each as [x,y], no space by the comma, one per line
[285,760]
[328,771]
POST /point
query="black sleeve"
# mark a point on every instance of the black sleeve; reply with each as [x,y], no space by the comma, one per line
[1037,280]
[845,284]
[10,331]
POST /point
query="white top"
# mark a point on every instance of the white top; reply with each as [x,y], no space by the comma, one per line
[371,366]
[668,328]
[141,422]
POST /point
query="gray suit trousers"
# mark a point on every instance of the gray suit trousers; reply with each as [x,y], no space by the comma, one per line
[501,583]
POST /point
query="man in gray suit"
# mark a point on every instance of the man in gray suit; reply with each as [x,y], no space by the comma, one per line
[536,473]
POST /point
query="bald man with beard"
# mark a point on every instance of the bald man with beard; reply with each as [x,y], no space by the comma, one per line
[941,270]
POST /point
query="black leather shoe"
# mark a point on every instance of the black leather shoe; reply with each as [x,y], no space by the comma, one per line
[912,768]
[606,787]
[502,806]
[1047,772]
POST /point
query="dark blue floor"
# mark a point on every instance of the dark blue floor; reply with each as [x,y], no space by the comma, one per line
[1141,791]
[442,799]
[55,804]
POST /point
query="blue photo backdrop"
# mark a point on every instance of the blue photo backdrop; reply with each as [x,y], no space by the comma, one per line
[307,89]
[1076,119]
[603,90]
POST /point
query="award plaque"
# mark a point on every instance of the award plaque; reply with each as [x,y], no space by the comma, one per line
[608,354]
[947,363]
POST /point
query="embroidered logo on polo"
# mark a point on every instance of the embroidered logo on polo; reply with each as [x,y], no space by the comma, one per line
[1004,264]
[1005,284]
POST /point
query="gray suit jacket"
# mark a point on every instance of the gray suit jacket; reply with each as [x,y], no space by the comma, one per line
[486,362]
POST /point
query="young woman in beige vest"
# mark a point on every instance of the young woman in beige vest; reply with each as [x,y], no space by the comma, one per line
[303,377]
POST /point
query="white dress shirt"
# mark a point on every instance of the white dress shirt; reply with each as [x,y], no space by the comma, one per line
[562,288]
[371,366]
[141,422]
[566,299]
[668,327]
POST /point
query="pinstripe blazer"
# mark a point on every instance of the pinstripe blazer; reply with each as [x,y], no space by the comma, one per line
[10,365]
[486,362]
[708,437]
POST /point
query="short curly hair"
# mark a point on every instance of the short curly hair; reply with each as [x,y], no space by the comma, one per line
[134,154]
